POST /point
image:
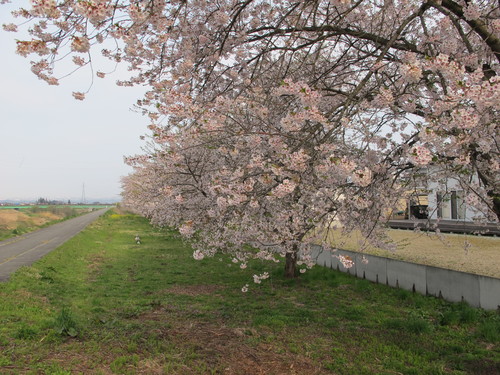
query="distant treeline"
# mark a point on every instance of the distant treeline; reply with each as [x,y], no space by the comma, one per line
[45,201]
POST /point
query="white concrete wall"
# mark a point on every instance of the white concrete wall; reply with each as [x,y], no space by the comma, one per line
[454,286]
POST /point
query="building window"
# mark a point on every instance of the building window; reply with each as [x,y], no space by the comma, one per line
[451,205]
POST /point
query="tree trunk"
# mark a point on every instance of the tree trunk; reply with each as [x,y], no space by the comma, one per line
[486,179]
[291,265]
[496,203]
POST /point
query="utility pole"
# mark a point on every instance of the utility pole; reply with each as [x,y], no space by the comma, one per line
[84,200]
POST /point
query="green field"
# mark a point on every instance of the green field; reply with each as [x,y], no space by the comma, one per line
[101,304]
[49,206]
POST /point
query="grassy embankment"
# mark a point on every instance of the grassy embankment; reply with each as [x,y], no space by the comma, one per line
[460,252]
[14,222]
[101,304]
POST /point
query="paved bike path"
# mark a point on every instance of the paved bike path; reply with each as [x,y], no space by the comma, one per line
[28,248]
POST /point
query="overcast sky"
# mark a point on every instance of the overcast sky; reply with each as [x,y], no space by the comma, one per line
[51,144]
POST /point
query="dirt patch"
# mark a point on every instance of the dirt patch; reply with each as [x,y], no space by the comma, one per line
[25,294]
[261,361]
[196,347]
[94,265]
[226,350]
[73,355]
[152,367]
[482,367]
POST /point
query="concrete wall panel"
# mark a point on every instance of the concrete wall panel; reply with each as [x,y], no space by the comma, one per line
[406,275]
[323,257]
[453,286]
[489,293]
[374,268]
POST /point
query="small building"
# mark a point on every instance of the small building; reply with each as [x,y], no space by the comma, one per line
[435,198]
[447,200]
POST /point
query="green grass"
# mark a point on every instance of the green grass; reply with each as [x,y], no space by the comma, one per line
[101,304]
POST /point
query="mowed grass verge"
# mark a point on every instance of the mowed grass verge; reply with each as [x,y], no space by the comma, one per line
[101,304]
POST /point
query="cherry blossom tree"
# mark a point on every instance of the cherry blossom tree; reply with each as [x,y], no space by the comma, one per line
[270,118]
[244,179]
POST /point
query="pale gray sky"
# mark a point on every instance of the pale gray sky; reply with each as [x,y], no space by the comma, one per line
[52,144]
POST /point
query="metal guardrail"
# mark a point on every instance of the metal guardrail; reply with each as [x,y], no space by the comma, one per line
[448,226]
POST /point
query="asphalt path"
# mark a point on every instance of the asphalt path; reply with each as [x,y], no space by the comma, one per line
[28,248]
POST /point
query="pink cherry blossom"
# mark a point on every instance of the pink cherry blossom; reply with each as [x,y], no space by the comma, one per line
[198,255]
[79,95]
[420,155]
[10,27]
[80,44]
